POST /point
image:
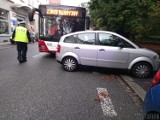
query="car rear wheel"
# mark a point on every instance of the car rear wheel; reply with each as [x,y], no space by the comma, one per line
[70,64]
[142,70]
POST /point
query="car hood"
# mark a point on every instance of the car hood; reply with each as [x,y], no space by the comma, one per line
[147,52]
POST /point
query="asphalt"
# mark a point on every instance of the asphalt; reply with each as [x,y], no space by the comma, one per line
[134,86]
[139,86]
[41,90]
[4,45]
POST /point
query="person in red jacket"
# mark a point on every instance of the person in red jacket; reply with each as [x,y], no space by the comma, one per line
[56,30]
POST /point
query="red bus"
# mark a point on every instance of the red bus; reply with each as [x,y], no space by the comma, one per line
[57,20]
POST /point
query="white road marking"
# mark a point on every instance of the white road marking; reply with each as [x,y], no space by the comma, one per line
[38,55]
[1,48]
[106,103]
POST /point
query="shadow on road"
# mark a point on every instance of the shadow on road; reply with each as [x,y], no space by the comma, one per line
[103,70]
[49,56]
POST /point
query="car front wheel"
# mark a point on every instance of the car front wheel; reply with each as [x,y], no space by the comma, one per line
[142,70]
[70,64]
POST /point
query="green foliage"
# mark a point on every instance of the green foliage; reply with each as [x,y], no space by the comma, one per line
[134,19]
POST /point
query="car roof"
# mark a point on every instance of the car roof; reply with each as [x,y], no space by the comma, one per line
[94,31]
[100,31]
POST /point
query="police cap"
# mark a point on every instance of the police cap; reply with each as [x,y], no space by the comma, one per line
[22,23]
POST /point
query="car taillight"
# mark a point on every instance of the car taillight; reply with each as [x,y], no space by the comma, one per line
[156,79]
[58,48]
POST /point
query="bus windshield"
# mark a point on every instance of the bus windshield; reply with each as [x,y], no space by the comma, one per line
[53,27]
[55,21]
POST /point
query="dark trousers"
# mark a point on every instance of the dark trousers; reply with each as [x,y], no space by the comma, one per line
[22,51]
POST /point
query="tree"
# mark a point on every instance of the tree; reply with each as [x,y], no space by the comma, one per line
[134,19]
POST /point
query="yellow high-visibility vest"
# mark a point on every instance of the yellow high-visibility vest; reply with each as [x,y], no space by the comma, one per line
[21,35]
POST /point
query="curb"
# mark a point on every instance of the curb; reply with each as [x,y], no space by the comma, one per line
[134,86]
[5,45]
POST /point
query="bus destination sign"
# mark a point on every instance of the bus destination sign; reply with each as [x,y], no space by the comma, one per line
[73,13]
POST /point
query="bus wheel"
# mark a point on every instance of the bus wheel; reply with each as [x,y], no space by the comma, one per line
[69,64]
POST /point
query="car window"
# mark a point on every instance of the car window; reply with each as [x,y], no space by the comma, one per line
[86,38]
[70,39]
[112,40]
[127,45]
[108,39]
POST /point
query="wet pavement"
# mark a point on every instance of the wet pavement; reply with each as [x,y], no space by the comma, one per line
[143,83]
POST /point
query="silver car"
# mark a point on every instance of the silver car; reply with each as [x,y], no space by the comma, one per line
[105,49]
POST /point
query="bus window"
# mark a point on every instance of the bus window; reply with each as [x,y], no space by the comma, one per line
[58,26]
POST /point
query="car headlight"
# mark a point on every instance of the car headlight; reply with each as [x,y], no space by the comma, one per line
[156,57]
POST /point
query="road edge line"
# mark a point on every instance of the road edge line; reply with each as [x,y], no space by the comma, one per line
[134,86]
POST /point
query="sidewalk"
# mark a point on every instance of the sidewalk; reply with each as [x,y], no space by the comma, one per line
[134,86]
[144,83]
[139,86]
[4,45]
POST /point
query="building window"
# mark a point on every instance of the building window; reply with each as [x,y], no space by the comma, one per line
[4,22]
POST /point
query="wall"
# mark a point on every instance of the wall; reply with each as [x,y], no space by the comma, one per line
[55,1]
[21,10]
[5,5]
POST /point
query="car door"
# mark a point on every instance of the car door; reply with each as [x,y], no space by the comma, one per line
[85,48]
[111,52]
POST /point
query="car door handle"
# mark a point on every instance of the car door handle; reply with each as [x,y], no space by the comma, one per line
[101,49]
[76,48]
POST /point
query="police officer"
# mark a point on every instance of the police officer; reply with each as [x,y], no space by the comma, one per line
[22,37]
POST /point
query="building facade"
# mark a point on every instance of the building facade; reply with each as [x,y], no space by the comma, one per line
[14,11]
[58,2]
[5,20]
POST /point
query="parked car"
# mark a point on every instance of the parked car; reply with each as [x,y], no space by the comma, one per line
[105,49]
[36,37]
[152,99]
[33,37]
[11,40]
